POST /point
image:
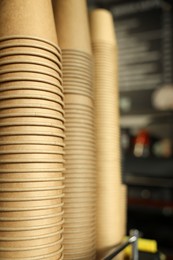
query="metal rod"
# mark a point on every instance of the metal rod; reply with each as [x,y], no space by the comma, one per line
[120,248]
[135,254]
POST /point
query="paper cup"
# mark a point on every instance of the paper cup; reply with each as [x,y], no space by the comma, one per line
[38,231]
[68,25]
[29,76]
[31,58]
[102,26]
[34,252]
[10,50]
[28,40]
[30,24]
[31,225]
[32,86]
[13,67]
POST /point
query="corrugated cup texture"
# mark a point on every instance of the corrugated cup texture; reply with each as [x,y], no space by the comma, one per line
[110,215]
[32,132]
[80,182]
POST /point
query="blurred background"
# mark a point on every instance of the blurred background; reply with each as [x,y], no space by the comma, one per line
[144,30]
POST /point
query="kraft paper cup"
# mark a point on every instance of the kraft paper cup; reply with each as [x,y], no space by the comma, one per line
[30,24]
[39,239]
[81,113]
[42,99]
[74,77]
[9,165]
[70,23]
[11,61]
[31,58]
[78,106]
[29,76]
[78,100]
[52,115]
[22,91]
[82,247]
[77,56]
[78,89]
[28,54]
[79,126]
[31,120]
[14,113]
[78,232]
[18,202]
[34,252]
[79,152]
[12,64]
[29,226]
[16,242]
[77,60]
[57,148]
[35,86]
[32,176]
[30,232]
[28,40]
[102,27]
[30,67]
[30,167]
[31,211]
[83,136]
[72,62]
[54,195]
[77,53]
[19,184]
[79,183]
[10,49]
[73,68]
[77,79]
[77,92]
[27,138]
[78,64]
[26,130]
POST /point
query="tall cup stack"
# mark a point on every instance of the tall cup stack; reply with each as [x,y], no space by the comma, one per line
[31,132]
[110,222]
[74,39]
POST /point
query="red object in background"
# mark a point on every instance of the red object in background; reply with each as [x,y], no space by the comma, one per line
[143,138]
[142,144]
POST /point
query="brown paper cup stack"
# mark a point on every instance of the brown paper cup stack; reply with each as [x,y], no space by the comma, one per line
[74,39]
[31,132]
[110,227]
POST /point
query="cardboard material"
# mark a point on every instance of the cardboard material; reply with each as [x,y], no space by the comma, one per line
[16,91]
[28,40]
[31,223]
[8,49]
[109,192]
[72,25]
[76,100]
[102,26]
[30,58]
[12,67]
[28,18]
[28,252]
[29,76]
[27,233]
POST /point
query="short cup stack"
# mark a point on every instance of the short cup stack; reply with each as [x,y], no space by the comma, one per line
[31,132]
[73,34]
[110,226]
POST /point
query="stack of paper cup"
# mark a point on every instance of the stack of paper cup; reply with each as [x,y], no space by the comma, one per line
[109,213]
[31,132]
[74,39]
